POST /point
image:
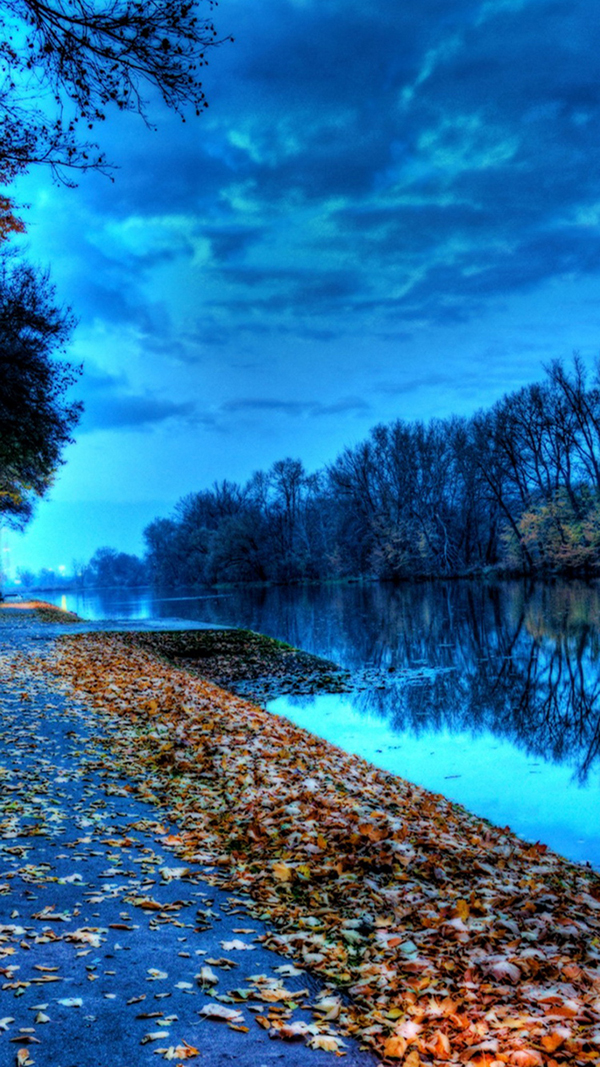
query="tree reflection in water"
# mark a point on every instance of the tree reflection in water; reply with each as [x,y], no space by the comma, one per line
[519,660]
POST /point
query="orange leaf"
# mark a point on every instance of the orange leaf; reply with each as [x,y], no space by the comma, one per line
[554,1040]
[395,1047]
[439,1045]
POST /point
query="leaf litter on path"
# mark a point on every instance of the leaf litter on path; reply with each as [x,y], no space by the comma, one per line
[450,941]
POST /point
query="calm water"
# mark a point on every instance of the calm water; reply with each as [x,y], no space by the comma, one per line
[489,694]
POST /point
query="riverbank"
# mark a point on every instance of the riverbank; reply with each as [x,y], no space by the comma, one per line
[448,940]
[112,951]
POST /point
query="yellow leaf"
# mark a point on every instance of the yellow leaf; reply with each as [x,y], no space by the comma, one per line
[463,910]
[412,1060]
[282,872]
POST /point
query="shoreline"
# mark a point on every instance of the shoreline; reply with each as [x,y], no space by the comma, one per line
[439,929]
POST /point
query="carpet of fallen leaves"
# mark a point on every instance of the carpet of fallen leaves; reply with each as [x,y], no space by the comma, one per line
[451,941]
[23,611]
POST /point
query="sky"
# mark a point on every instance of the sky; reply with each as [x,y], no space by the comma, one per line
[388,211]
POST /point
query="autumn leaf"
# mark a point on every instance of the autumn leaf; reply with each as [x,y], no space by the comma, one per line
[170,874]
[295,1031]
[445,928]
[439,1045]
[282,872]
[526,1058]
[554,1040]
[463,910]
[395,1047]
[412,1059]
[178,1052]
[326,1042]
[221,1013]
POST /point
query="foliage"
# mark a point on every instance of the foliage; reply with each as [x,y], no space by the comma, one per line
[108,568]
[514,488]
[64,62]
[36,418]
[9,223]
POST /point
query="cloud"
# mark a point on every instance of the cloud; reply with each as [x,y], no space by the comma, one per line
[344,405]
[282,407]
[353,176]
[110,404]
[295,408]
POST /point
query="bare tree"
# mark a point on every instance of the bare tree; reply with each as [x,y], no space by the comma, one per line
[63,63]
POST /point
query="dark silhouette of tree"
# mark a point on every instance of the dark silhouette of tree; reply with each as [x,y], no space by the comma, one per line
[514,489]
[63,63]
[109,568]
[36,418]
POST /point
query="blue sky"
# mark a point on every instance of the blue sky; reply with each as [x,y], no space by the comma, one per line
[387,211]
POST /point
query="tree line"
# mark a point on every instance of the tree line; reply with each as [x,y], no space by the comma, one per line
[512,489]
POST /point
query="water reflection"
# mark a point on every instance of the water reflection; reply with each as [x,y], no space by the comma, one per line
[520,661]
[521,664]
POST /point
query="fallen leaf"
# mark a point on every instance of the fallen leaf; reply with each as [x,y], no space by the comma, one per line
[282,872]
[395,1047]
[221,1013]
[525,1058]
[327,1042]
[554,1040]
[178,1052]
[207,976]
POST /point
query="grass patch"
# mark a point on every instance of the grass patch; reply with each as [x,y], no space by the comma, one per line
[247,663]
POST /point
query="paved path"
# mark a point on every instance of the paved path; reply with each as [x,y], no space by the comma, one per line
[103,936]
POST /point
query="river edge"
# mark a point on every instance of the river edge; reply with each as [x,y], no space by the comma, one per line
[441,931]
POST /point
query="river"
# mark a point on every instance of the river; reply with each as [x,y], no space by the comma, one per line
[487,693]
